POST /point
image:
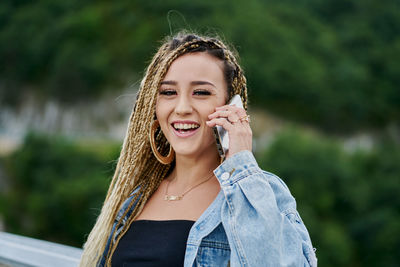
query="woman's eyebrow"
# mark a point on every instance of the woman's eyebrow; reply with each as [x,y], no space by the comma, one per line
[201,83]
[169,82]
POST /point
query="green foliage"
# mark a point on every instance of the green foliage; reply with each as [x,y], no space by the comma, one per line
[349,201]
[334,63]
[56,188]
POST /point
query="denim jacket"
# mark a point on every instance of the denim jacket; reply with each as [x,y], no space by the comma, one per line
[253,221]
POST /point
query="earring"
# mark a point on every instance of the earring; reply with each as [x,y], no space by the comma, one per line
[164,160]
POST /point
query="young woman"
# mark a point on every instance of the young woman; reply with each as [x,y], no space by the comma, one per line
[173,201]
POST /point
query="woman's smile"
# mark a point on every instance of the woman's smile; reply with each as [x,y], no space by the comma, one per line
[185,128]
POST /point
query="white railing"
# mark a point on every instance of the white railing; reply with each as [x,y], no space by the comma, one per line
[20,251]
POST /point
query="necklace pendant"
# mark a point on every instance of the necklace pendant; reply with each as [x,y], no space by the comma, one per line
[172,197]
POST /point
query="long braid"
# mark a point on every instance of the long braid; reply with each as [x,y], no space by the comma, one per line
[137,168]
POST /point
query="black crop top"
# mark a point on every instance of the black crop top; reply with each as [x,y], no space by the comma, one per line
[149,243]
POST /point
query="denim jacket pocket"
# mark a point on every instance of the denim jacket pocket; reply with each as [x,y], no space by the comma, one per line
[214,249]
[213,254]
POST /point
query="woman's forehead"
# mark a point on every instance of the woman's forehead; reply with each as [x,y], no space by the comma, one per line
[196,65]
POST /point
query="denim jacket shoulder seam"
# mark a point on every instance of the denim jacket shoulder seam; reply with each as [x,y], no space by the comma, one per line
[277,178]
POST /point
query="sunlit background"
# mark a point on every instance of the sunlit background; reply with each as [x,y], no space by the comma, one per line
[324,88]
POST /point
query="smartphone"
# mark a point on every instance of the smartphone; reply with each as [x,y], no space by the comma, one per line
[221,135]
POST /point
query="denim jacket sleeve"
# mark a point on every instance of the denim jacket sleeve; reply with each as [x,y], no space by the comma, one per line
[260,218]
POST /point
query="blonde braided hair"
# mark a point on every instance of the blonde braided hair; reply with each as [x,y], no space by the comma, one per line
[137,168]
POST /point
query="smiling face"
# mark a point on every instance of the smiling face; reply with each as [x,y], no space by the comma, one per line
[193,86]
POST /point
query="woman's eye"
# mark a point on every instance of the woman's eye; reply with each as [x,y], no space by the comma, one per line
[201,92]
[168,92]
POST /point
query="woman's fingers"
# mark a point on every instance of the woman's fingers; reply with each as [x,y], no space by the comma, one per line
[231,108]
[231,116]
[221,122]
[235,121]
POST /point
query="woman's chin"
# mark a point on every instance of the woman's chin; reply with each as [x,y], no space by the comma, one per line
[190,152]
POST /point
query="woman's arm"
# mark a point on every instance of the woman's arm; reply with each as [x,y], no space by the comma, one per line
[260,217]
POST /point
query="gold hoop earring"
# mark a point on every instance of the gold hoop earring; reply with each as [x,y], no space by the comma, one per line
[164,160]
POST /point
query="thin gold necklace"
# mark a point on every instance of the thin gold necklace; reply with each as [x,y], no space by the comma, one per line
[179,197]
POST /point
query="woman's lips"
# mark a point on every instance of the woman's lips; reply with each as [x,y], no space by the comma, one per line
[184,134]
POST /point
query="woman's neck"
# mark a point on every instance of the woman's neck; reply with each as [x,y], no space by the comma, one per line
[189,171]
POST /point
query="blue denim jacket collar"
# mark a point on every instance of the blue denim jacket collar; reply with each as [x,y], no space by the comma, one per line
[207,222]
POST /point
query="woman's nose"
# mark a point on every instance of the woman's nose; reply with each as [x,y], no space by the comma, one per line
[183,106]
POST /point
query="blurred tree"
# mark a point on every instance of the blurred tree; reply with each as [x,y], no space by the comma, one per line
[56,189]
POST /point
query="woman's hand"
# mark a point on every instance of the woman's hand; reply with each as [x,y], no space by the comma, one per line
[235,121]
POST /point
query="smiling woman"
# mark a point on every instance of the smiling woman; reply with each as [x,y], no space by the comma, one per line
[173,201]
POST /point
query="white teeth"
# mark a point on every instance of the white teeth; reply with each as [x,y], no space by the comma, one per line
[185,126]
